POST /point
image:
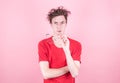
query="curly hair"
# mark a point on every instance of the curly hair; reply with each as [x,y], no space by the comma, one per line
[57,12]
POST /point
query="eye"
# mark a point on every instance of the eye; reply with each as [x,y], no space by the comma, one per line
[62,22]
[55,23]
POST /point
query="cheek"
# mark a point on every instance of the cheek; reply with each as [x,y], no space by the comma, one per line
[63,26]
[54,28]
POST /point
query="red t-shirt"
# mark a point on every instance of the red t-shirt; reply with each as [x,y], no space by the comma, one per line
[55,56]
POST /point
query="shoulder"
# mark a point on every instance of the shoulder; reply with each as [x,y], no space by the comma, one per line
[75,46]
[44,41]
[74,42]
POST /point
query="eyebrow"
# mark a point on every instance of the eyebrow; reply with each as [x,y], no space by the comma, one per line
[55,22]
[60,22]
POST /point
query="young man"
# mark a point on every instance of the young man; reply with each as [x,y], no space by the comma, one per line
[59,56]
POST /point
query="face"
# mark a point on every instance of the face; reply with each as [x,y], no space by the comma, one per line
[58,25]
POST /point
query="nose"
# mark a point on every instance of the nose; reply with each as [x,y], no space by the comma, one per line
[58,25]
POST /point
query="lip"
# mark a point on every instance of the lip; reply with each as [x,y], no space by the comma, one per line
[59,31]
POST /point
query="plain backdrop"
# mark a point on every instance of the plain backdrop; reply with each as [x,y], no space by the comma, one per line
[94,23]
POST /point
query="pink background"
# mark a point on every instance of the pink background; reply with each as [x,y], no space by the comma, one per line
[95,23]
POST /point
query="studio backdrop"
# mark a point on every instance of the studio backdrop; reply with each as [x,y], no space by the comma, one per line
[94,23]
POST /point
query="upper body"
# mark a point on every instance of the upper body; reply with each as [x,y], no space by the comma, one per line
[56,58]
[59,56]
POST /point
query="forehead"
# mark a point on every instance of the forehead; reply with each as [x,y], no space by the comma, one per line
[59,19]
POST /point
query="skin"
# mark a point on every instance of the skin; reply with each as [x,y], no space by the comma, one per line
[61,41]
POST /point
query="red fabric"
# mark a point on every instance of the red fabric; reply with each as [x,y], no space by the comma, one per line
[55,56]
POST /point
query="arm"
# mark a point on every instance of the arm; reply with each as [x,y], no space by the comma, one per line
[50,72]
[73,66]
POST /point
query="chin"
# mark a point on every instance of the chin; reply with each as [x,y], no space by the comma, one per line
[60,34]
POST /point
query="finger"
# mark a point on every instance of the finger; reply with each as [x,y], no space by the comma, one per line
[65,37]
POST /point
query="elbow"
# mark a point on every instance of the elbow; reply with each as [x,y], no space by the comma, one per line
[45,76]
[45,73]
[75,74]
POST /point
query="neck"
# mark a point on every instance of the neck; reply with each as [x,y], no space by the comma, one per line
[58,35]
[56,42]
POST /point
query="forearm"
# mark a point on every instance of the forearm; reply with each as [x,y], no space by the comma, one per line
[73,68]
[52,73]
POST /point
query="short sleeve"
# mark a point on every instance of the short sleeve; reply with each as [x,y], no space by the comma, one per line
[76,53]
[42,52]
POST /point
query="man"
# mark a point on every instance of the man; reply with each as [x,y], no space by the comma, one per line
[59,56]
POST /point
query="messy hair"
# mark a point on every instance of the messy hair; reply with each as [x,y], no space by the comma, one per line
[57,12]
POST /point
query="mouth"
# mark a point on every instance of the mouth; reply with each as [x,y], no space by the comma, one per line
[59,31]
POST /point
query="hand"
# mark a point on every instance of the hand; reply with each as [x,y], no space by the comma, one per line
[65,42]
[62,41]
